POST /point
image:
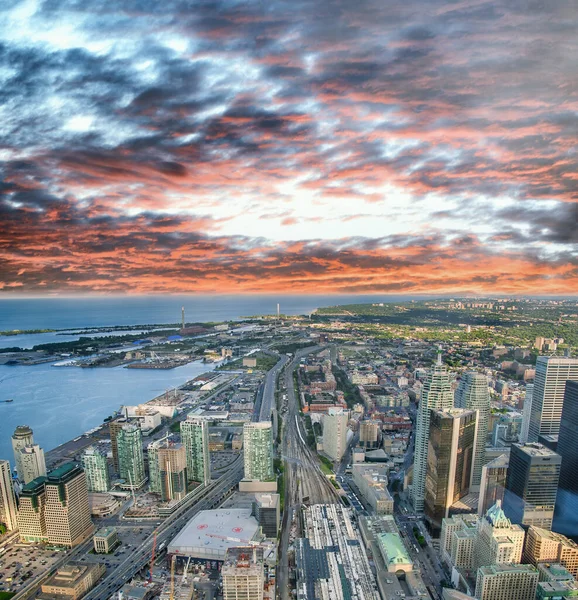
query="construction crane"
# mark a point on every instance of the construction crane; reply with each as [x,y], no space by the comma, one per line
[184,579]
[153,556]
[173,561]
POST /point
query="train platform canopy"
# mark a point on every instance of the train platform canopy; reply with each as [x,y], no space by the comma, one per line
[203,537]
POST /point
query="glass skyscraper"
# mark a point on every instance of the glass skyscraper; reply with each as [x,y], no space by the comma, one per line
[96,470]
[436,395]
[258,451]
[473,394]
[130,456]
[195,438]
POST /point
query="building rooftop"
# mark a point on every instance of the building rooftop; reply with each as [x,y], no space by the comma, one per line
[535,449]
[393,550]
[204,536]
[64,473]
[507,568]
[104,532]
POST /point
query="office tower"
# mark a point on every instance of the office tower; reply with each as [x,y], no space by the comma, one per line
[335,433]
[172,461]
[32,463]
[498,540]
[514,582]
[566,515]
[114,428]
[368,434]
[436,395]
[532,485]
[31,511]
[243,574]
[493,483]
[527,413]
[452,438]
[552,372]
[195,437]
[21,437]
[543,546]
[130,456]
[473,394]
[8,511]
[258,451]
[266,509]
[96,470]
[67,510]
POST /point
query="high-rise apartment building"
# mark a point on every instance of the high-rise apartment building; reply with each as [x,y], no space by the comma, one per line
[552,372]
[473,394]
[566,515]
[114,428]
[55,508]
[258,451]
[67,511]
[452,439]
[436,394]
[32,463]
[498,540]
[514,582]
[8,510]
[21,437]
[335,433]
[454,552]
[527,413]
[544,546]
[153,464]
[493,483]
[532,485]
[368,434]
[243,574]
[195,437]
[95,468]
[130,456]
[172,466]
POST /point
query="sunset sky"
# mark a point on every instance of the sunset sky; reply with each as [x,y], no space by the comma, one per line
[347,146]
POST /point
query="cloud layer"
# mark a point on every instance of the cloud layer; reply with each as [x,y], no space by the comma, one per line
[218,146]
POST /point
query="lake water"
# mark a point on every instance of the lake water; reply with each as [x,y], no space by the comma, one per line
[61,403]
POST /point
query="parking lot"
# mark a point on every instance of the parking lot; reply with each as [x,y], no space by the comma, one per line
[22,562]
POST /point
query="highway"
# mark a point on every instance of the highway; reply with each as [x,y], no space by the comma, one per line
[303,475]
[141,556]
[269,387]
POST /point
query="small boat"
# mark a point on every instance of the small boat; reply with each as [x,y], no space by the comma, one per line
[9,400]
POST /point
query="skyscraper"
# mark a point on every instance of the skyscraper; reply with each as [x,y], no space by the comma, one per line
[335,433]
[547,546]
[195,437]
[552,372]
[368,433]
[532,485]
[8,511]
[96,470]
[114,428]
[436,395]
[55,508]
[67,511]
[566,515]
[493,483]
[258,451]
[452,437]
[473,394]
[527,414]
[130,456]
[172,466]
[32,463]
[153,463]
[21,437]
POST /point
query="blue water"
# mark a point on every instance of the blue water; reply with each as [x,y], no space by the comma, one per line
[61,403]
[81,312]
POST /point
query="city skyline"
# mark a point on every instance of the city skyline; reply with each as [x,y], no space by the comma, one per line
[423,147]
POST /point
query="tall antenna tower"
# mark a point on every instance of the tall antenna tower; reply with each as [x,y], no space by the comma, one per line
[182,317]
